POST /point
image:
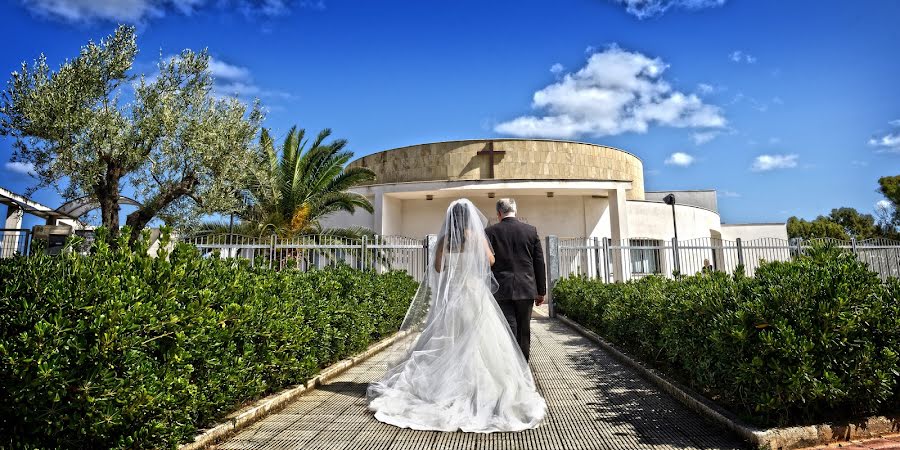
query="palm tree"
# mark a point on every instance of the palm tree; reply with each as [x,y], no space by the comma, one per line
[303,185]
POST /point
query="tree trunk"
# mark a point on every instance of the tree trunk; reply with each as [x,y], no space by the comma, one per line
[107,192]
[140,218]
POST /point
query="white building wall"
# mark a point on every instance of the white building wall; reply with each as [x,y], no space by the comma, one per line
[562,216]
[751,231]
[361,218]
[654,221]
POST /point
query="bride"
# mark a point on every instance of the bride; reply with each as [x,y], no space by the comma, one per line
[464,371]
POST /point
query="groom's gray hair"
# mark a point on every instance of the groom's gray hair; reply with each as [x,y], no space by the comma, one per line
[506,206]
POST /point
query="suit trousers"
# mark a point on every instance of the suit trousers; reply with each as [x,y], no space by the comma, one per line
[518,315]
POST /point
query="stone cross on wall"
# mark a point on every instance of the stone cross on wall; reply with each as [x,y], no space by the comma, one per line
[491,152]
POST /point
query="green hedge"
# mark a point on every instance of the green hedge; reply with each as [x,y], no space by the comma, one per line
[120,350]
[811,340]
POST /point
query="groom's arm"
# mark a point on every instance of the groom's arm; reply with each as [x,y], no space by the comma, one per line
[540,272]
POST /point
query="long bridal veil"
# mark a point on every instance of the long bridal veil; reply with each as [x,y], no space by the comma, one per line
[458,256]
[463,369]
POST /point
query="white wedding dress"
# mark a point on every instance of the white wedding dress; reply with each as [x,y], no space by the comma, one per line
[464,371]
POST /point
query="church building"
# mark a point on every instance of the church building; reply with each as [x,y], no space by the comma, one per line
[566,189]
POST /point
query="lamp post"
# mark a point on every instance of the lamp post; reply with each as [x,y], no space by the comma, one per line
[670,200]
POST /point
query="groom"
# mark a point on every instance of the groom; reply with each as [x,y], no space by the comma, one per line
[519,269]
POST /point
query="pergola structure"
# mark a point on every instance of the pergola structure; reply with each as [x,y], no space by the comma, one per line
[16,208]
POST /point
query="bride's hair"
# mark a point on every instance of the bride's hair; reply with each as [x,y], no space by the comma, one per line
[456,229]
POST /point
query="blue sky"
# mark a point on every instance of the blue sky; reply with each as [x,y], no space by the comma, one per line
[785,107]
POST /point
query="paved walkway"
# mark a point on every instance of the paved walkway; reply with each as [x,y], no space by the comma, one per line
[594,403]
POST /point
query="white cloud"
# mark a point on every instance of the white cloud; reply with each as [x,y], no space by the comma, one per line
[223,71]
[20,167]
[318,5]
[557,69]
[730,194]
[236,81]
[739,56]
[758,105]
[764,163]
[649,8]
[680,159]
[859,163]
[702,137]
[704,88]
[86,10]
[889,142]
[133,11]
[615,92]
[883,205]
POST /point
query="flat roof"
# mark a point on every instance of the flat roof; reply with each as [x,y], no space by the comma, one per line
[501,139]
[30,206]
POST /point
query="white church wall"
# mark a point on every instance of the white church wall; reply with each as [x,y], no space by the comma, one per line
[361,218]
[705,199]
[392,217]
[562,215]
[654,221]
[596,217]
[751,231]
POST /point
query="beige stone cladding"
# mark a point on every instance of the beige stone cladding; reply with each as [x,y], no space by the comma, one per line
[522,159]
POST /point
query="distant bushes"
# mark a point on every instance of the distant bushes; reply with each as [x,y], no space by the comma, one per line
[120,350]
[810,340]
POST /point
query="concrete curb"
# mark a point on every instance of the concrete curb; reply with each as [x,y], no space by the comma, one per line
[275,402]
[773,438]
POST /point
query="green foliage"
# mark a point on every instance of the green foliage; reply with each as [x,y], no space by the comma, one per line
[889,214]
[805,341]
[121,350]
[856,225]
[184,150]
[303,185]
[821,227]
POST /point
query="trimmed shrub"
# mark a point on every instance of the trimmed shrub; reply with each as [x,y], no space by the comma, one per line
[121,350]
[811,340]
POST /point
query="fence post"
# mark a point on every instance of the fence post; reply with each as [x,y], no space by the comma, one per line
[272,251]
[853,246]
[677,258]
[740,253]
[597,256]
[363,252]
[552,271]
[606,258]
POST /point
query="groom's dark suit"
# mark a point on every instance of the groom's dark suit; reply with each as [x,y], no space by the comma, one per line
[519,269]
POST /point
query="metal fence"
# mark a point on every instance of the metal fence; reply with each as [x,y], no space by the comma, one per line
[596,257]
[380,253]
[14,241]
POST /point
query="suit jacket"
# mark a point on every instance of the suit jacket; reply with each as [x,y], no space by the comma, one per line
[519,260]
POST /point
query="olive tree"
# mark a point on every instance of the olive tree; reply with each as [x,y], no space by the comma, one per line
[92,127]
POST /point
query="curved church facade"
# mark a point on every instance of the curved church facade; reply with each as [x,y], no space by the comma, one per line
[567,189]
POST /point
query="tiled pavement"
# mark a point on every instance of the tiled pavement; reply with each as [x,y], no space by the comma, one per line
[594,403]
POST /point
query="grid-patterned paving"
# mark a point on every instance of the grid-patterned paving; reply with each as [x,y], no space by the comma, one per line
[594,402]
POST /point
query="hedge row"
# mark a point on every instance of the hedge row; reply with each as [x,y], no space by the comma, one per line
[120,350]
[807,341]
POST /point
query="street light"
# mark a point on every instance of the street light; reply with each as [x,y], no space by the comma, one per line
[670,200]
